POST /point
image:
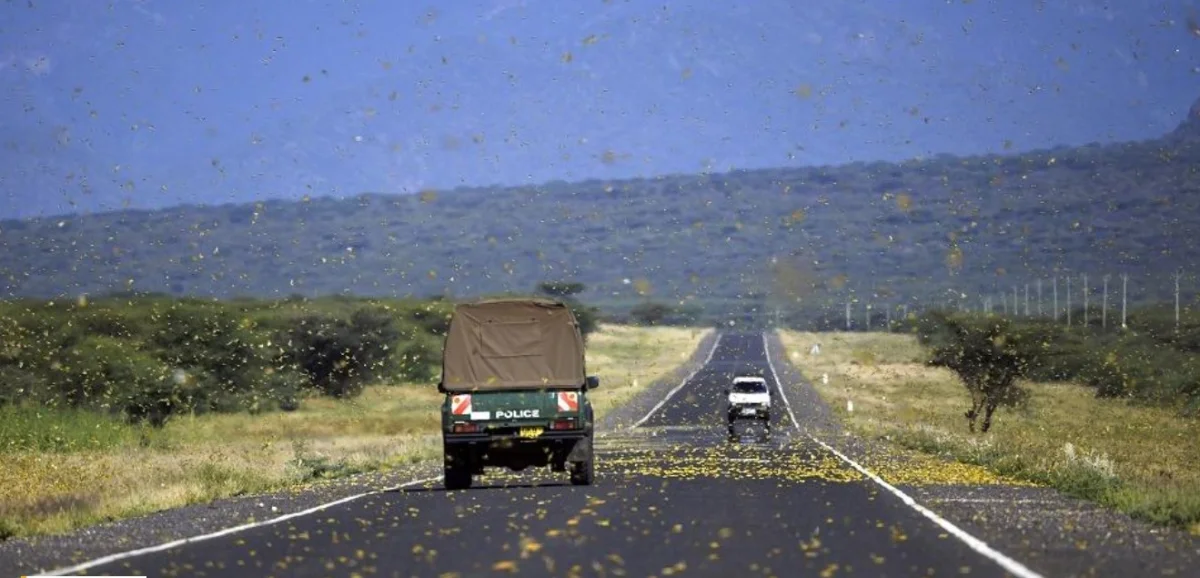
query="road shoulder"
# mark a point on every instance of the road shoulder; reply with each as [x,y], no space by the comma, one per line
[638,406]
[1052,533]
[19,556]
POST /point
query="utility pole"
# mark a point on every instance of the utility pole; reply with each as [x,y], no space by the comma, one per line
[847,316]
[1027,299]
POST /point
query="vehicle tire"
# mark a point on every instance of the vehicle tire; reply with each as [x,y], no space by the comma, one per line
[583,473]
[456,470]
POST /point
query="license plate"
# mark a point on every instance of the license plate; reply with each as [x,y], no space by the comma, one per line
[748,411]
[530,432]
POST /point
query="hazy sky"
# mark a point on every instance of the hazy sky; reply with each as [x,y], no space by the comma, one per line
[147,103]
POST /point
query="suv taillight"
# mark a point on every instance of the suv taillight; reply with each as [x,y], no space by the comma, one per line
[563,424]
[465,427]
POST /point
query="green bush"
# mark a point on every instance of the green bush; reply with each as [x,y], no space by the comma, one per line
[986,355]
[418,360]
[1150,362]
[115,375]
[146,358]
[339,355]
[432,318]
[210,339]
[651,313]
[18,384]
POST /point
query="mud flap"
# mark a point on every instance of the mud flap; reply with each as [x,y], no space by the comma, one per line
[581,451]
[457,467]
[583,462]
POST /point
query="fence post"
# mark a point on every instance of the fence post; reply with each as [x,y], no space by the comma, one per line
[1056,298]
[1039,296]
[1177,274]
[1104,308]
[1124,296]
[1068,300]
[1085,301]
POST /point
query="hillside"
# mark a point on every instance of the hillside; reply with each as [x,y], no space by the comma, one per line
[909,230]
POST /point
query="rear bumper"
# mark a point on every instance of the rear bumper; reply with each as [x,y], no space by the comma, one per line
[547,436]
[735,411]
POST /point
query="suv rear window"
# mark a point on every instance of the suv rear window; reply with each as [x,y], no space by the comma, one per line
[749,387]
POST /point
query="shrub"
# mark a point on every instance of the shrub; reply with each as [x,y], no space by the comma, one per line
[114,375]
[651,313]
[432,318]
[567,292]
[209,339]
[340,355]
[1150,362]
[984,354]
[417,359]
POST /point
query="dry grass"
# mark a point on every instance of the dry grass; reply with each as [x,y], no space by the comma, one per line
[627,359]
[1143,461]
[126,471]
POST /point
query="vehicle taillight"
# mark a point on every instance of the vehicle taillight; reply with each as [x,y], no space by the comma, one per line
[465,427]
[563,424]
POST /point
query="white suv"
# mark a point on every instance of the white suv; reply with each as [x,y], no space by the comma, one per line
[748,398]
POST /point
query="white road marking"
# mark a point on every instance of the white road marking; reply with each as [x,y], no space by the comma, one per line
[168,545]
[992,501]
[1009,564]
[681,384]
[974,543]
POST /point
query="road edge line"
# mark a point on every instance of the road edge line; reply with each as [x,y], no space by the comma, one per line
[979,546]
[202,537]
[685,381]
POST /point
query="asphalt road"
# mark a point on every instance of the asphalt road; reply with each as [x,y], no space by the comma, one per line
[672,497]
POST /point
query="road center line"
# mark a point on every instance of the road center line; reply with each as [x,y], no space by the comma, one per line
[1009,564]
[685,381]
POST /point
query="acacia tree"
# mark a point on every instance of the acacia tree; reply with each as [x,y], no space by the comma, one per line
[566,291]
[651,313]
[561,289]
[985,356]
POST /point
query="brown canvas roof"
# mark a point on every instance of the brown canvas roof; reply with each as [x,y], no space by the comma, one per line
[513,344]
